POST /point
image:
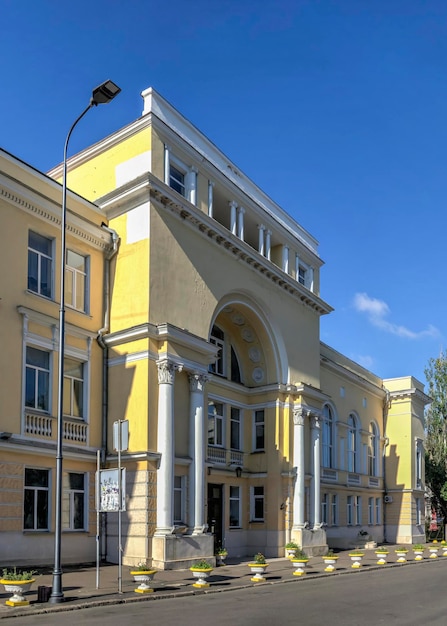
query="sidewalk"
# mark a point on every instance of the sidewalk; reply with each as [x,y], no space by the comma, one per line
[79,583]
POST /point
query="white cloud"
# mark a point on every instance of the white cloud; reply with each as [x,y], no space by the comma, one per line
[376,311]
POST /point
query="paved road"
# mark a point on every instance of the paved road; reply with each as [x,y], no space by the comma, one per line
[408,596]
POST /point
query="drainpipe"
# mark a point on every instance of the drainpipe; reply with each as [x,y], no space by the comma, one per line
[386,406]
[105,355]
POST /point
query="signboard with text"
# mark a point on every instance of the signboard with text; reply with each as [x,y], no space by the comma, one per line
[108,487]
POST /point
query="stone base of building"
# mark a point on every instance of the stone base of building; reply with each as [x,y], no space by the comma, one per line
[313,542]
[181,551]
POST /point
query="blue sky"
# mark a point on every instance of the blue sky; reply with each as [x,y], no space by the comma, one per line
[337,109]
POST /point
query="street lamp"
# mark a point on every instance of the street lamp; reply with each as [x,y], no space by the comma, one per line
[100,95]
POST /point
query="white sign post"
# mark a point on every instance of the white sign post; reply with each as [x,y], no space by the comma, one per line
[120,443]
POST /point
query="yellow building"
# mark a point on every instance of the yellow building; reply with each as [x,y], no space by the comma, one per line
[244,429]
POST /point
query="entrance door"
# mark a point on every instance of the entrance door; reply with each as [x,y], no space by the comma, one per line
[215,513]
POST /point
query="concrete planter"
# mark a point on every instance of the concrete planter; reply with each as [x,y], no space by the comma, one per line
[143,577]
[17,588]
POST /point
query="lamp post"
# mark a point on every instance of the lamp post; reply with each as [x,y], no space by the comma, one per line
[100,95]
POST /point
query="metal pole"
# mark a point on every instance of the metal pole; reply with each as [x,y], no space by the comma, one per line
[57,594]
[120,487]
[98,500]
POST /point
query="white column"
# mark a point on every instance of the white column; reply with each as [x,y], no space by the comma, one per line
[298,463]
[165,446]
[210,197]
[268,239]
[197,453]
[297,267]
[285,259]
[261,229]
[311,278]
[315,489]
[191,185]
[167,164]
[240,223]
[233,206]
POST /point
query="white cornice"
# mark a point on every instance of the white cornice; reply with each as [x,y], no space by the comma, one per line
[22,197]
[408,394]
[353,377]
[164,332]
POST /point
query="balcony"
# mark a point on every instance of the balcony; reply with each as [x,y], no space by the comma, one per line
[45,427]
[222,456]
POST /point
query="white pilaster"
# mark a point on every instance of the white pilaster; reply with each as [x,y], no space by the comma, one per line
[240,223]
[210,197]
[285,259]
[297,267]
[315,489]
[167,163]
[268,240]
[298,463]
[261,229]
[197,453]
[233,207]
[165,445]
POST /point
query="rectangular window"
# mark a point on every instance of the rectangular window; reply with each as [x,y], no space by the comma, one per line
[177,179]
[215,424]
[35,509]
[235,429]
[358,510]
[257,504]
[418,463]
[334,509]
[218,339]
[37,379]
[235,507]
[76,281]
[73,502]
[418,511]
[370,510]
[378,510]
[40,264]
[324,508]
[349,510]
[73,388]
[302,275]
[179,500]
[259,430]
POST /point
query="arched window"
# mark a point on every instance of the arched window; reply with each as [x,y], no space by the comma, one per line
[328,437]
[373,450]
[218,339]
[235,368]
[353,460]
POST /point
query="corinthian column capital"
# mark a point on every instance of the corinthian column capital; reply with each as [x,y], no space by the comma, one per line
[166,371]
[197,382]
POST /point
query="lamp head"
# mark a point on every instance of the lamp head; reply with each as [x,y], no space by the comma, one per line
[104,93]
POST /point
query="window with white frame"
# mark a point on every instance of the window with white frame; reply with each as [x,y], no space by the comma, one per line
[37,379]
[215,424]
[235,507]
[179,499]
[378,510]
[76,281]
[40,264]
[373,449]
[324,508]
[218,339]
[36,500]
[328,437]
[350,510]
[73,388]
[177,179]
[370,511]
[334,509]
[358,510]
[352,437]
[419,516]
[73,501]
[235,429]
[419,462]
[257,504]
[259,430]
